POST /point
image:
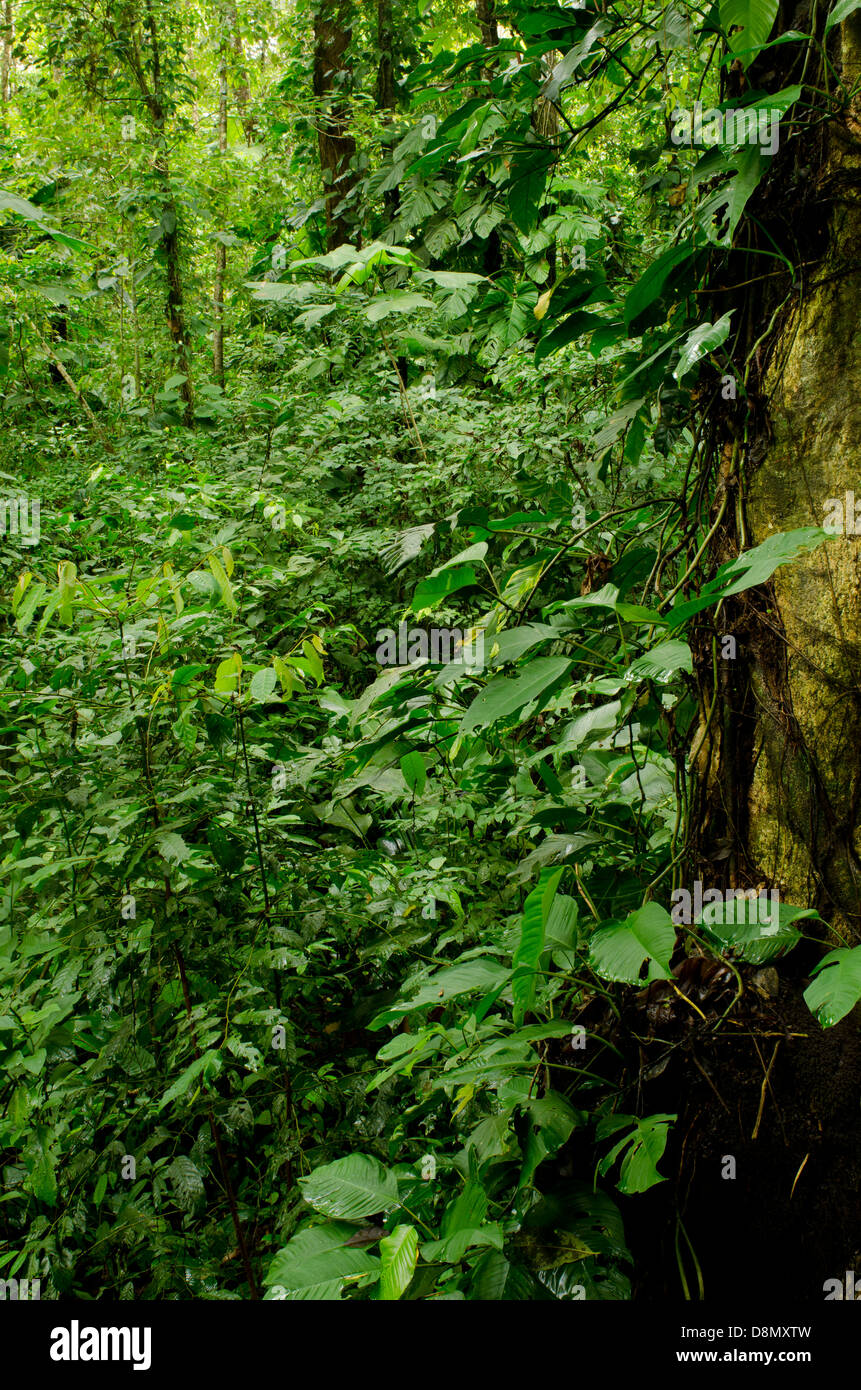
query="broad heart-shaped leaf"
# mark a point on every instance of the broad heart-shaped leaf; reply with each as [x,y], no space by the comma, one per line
[645,1144]
[751,926]
[756,19]
[504,696]
[317,1263]
[617,952]
[351,1188]
[531,944]
[702,341]
[398,1255]
[837,986]
[526,187]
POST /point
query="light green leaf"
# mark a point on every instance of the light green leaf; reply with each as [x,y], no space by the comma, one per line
[398,1255]
[836,988]
[351,1188]
[617,952]
[842,10]
[531,944]
[414,772]
[756,20]
[702,341]
[263,684]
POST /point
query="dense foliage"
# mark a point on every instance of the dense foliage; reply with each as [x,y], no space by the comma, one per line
[318,938]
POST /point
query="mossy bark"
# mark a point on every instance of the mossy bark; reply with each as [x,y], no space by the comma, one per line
[784,761]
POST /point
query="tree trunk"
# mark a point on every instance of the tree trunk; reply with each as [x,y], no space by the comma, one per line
[485,13]
[6,60]
[241,87]
[332,34]
[220,248]
[153,97]
[779,770]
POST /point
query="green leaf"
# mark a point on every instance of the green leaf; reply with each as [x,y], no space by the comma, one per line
[618,951]
[444,985]
[702,341]
[414,772]
[756,566]
[651,283]
[351,1188]
[842,10]
[531,944]
[172,847]
[398,1255]
[836,987]
[551,1120]
[224,585]
[661,662]
[749,925]
[645,1144]
[317,1263]
[504,696]
[756,18]
[263,684]
[382,305]
[206,1066]
[750,568]
[435,588]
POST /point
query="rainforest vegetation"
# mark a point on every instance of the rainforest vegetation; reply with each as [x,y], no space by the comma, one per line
[430,791]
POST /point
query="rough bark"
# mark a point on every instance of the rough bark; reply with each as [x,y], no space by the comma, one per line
[336,143]
[485,12]
[780,768]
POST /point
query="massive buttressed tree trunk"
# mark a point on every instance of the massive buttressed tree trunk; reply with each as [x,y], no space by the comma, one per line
[778,762]
[336,143]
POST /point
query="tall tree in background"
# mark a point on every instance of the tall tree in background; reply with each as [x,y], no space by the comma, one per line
[6,59]
[145,64]
[335,141]
[220,247]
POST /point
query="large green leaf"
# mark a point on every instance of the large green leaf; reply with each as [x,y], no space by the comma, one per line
[443,985]
[316,1264]
[531,944]
[618,951]
[651,283]
[842,10]
[756,19]
[505,696]
[398,1255]
[837,985]
[702,341]
[351,1188]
